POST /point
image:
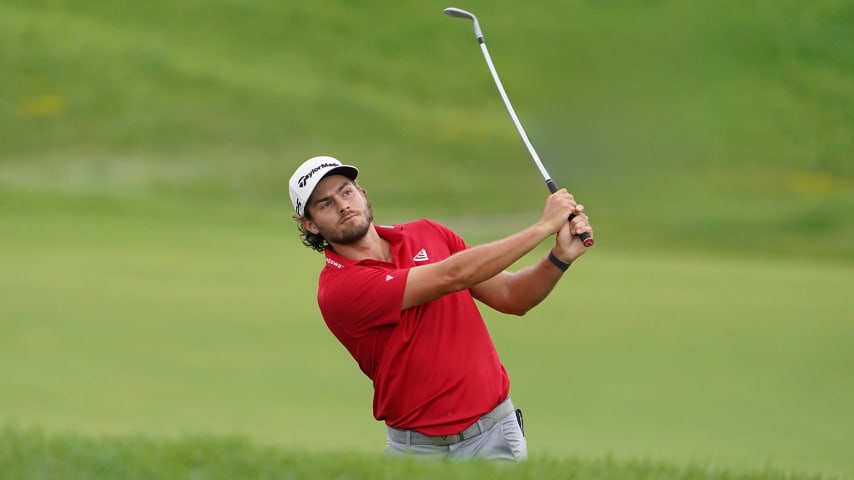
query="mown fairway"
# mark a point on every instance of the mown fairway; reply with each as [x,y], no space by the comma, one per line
[151,280]
[137,318]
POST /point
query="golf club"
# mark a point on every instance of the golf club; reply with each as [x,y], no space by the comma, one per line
[458,13]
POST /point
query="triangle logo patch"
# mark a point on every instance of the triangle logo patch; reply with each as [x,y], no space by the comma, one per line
[388,277]
[421,256]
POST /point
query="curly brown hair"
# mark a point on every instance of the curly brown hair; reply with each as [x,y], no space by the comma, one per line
[316,241]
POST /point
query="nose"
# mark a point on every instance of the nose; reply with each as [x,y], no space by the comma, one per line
[343,206]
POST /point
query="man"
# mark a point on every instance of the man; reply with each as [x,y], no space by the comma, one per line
[401,300]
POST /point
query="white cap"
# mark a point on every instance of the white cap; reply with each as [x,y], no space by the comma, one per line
[310,173]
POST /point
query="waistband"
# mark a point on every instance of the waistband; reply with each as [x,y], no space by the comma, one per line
[484,423]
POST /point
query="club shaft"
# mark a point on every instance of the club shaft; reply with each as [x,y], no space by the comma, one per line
[585,237]
[456,12]
[513,116]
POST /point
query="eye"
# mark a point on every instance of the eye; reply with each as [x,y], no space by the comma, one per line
[325,205]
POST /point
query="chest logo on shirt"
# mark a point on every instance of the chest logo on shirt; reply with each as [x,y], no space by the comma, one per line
[388,277]
[421,256]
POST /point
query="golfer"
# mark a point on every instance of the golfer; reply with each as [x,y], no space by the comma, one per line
[401,300]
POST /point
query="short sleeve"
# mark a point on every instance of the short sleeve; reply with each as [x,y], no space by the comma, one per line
[356,299]
[452,239]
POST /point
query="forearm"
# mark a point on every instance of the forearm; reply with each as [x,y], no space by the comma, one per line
[469,268]
[531,285]
[517,292]
[475,265]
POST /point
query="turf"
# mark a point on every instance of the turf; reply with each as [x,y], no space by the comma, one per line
[130,318]
[33,454]
[716,125]
[151,281]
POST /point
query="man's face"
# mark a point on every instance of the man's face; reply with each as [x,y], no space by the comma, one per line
[339,211]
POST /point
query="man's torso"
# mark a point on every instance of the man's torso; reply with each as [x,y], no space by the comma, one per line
[434,366]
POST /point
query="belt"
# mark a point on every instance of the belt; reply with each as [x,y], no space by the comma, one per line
[484,423]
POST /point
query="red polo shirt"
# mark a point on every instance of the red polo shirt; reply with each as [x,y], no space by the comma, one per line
[434,366]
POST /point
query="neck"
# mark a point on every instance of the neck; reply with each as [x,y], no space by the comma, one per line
[371,246]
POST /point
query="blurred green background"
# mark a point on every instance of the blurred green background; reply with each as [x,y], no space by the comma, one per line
[151,279]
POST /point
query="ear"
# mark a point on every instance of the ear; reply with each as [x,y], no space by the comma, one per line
[364,192]
[309,226]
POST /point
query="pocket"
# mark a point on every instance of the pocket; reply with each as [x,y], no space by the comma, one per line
[513,437]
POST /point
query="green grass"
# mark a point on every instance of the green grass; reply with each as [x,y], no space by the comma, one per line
[123,317]
[706,125]
[33,454]
[151,280]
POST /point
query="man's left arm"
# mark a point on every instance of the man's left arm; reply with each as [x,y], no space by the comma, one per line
[517,292]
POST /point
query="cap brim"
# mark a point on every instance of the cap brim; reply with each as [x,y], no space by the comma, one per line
[346,170]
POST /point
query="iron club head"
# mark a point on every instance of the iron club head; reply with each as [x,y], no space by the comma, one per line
[459,13]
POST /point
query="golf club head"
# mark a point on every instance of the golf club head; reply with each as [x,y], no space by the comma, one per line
[459,13]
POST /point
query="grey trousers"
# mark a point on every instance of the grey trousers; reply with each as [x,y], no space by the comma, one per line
[504,441]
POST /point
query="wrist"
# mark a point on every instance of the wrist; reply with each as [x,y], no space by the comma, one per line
[557,262]
[541,231]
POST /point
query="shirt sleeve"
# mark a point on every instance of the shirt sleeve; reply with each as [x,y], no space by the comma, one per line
[359,298]
[454,242]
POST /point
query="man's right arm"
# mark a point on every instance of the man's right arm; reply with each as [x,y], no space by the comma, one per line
[470,267]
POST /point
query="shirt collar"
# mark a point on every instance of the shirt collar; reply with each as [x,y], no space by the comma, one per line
[392,234]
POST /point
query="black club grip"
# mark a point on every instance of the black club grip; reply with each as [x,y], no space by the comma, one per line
[586,239]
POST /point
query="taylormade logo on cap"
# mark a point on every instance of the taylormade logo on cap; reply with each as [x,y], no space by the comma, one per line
[310,173]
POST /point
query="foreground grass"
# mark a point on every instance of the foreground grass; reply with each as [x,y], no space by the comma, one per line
[28,454]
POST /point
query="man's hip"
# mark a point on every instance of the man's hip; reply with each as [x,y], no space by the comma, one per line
[497,434]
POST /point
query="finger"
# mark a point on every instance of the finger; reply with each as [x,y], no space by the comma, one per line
[578,230]
[579,219]
[579,222]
